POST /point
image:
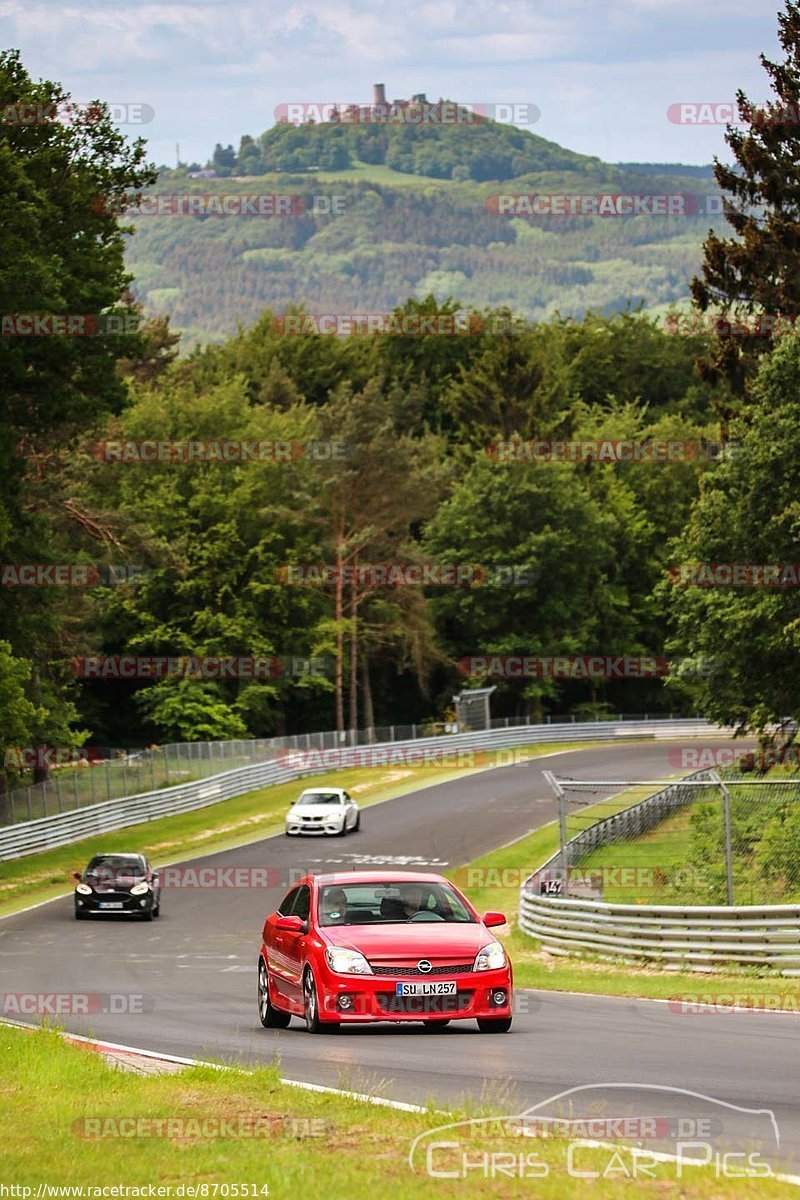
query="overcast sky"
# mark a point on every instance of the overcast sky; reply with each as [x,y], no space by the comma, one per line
[603,75]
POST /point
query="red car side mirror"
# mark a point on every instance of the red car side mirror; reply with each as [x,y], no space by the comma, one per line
[491,919]
[291,924]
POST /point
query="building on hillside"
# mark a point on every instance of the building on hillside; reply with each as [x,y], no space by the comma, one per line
[416,111]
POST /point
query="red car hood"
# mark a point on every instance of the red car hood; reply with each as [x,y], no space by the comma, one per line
[446,941]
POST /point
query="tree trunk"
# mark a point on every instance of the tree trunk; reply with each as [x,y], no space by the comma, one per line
[339,642]
[366,690]
[354,660]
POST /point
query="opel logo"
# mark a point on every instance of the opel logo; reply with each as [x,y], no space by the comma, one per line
[424,966]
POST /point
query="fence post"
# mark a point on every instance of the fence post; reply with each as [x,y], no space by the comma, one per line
[108,782]
[726,813]
[75,786]
[562,823]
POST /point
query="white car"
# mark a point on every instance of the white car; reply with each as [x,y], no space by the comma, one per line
[323,810]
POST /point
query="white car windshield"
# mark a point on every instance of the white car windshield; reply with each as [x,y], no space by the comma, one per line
[320,798]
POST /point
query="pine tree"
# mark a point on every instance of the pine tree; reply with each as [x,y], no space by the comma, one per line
[757,272]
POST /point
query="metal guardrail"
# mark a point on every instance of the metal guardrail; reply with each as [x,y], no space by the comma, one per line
[92,775]
[696,937]
[62,828]
[693,936]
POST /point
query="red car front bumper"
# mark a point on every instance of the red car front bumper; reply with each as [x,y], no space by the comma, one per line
[484,994]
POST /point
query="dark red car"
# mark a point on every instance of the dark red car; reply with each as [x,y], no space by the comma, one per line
[376,946]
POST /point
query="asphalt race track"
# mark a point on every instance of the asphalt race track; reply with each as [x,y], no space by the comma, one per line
[195,968]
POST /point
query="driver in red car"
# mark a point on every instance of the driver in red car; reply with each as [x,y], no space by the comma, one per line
[411,899]
[334,904]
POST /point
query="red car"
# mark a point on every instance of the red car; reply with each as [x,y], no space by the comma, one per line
[375,946]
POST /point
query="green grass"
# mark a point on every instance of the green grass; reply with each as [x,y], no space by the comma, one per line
[658,860]
[311,1145]
[222,826]
[493,883]
[676,863]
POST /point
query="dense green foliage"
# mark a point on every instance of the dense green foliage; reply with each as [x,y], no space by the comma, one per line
[370,241]
[575,557]
[417,486]
[748,512]
[462,147]
[58,254]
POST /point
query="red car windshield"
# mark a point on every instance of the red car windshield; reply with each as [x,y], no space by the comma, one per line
[391,903]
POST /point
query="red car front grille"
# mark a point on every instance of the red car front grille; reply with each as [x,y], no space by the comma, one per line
[398,969]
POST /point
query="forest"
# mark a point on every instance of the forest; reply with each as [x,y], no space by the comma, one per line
[132,527]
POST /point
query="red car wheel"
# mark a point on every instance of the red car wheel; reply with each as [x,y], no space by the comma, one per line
[270,1017]
[311,1006]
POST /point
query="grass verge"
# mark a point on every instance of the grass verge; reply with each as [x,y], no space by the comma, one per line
[60,1126]
[231,823]
[493,883]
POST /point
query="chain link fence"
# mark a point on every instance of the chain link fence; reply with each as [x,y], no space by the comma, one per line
[719,837]
[120,773]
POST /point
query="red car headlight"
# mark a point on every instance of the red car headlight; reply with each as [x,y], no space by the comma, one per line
[490,958]
[347,962]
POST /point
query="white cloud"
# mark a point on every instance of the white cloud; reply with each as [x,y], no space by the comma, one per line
[603,78]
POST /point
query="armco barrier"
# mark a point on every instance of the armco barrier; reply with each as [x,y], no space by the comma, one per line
[690,937]
[63,828]
[693,937]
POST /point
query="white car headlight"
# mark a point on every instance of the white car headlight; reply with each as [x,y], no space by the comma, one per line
[490,958]
[347,962]
[140,889]
[84,889]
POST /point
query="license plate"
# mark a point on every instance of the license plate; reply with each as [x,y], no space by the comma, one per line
[429,988]
[111,904]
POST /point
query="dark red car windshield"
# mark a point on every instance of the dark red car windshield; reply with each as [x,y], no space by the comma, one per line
[391,903]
